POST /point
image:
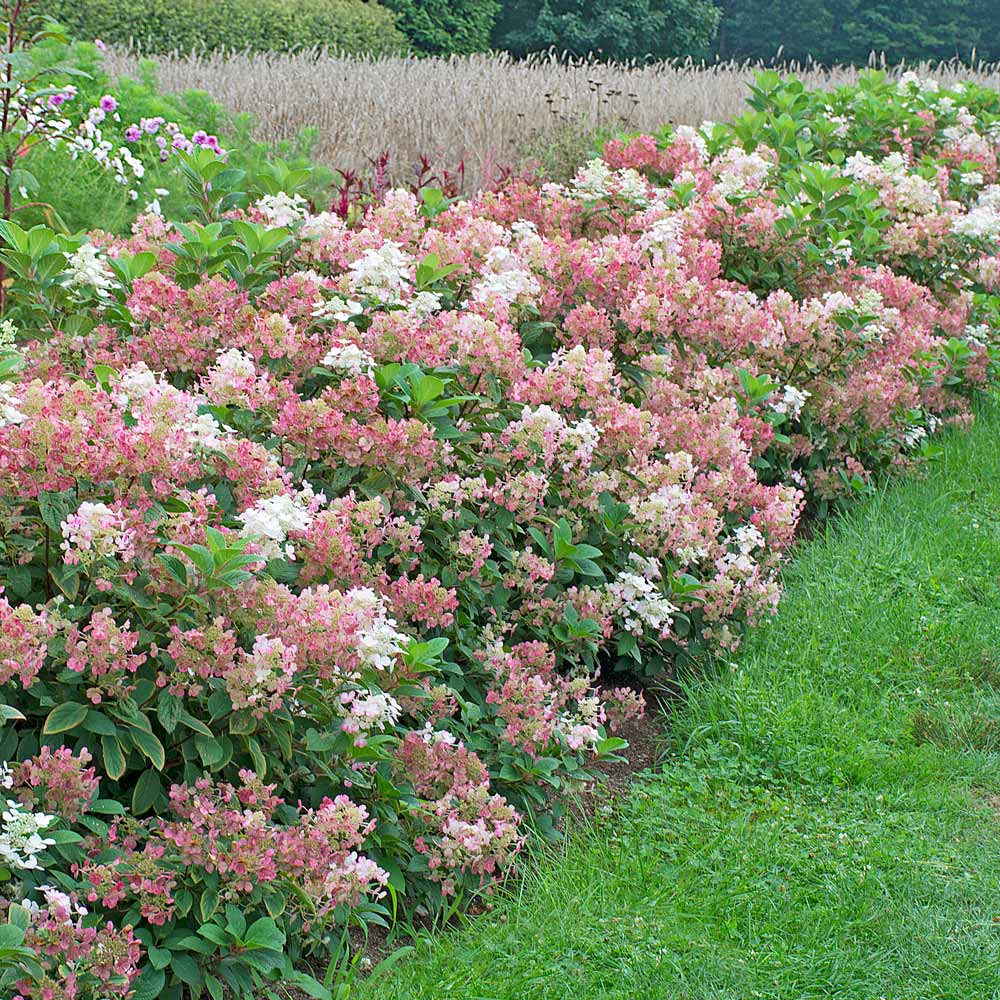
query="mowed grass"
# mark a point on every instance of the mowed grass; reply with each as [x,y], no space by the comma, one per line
[827,821]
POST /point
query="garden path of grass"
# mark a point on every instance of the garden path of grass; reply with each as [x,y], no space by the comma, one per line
[827,824]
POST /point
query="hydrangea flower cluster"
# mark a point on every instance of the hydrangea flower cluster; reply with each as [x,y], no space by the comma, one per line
[21,839]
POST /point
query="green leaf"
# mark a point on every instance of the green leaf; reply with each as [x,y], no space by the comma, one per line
[11,936]
[311,987]
[63,837]
[187,971]
[175,567]
[168,710]
[114,759]
[265,933]
[10,714]
[107,807]
[209,749]
[208,903]
[148,745]
[149,986]
[186,719]
[159,958]
[196,944]
[55,508]
[66,578]
[236,923]
[213,932]
[147,790]
[19,916]
[64,717]
[200,556]
[97,722]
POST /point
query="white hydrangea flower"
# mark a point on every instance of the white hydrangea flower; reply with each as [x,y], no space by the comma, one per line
[791,402]
[57,902]
[737,565]
[338,308]
[323,225]
[234,366]
[504,279]
[438,736]
[21,839]
[95,531]
[980,222]
[379,642]
[910,81]
[581,439]
[630,185]
[8,333]
[368,711]
[748,538]
[694,138]
[664,236]
[349,358]
[916,195]
[87,267]
[862,167]
[596,180]
[270,521]
[912,436]
[9,413]
[642,604]
[282,209]
[591,181]
[523,229]
[135,384]
[424,304]
[740,172]
[381,274]
[206,432]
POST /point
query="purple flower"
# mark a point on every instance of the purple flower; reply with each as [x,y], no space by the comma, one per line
[200,138]
[100,46]
[152,125]
[108,103]
[213,143]
[132,133]
[55,100]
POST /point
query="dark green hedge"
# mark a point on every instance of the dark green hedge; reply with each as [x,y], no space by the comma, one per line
[846,31]
[261,25]
[611,29]
[446,26]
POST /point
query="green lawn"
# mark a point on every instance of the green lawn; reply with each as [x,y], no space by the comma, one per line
[828,822]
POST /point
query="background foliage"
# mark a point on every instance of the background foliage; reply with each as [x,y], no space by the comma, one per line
[846,31]
[826,31]
[618,30]
[261,25]
[440,26]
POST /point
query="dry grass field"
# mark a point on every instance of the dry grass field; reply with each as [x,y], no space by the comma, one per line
[488,110]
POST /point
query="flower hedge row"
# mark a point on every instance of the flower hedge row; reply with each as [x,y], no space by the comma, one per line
[328,546]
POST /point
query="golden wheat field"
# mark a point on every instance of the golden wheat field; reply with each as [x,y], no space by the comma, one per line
[490,111]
